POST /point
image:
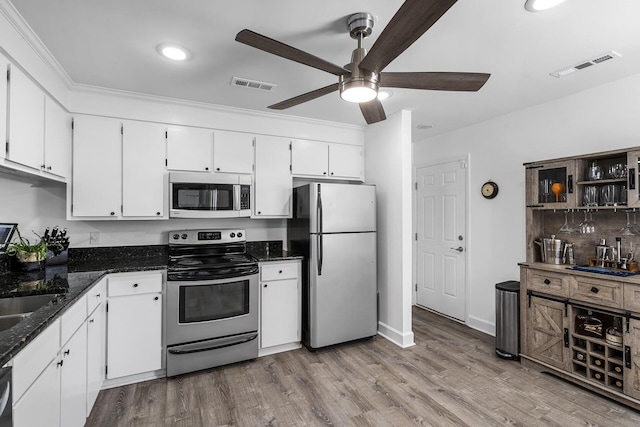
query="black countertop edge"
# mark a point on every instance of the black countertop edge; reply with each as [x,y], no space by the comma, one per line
[16,338]
[278,258]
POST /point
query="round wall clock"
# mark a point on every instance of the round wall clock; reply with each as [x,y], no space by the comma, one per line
[489,190]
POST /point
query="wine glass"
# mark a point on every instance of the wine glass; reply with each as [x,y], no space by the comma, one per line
[545,189]
[566,227]
[629,229]
[588,226]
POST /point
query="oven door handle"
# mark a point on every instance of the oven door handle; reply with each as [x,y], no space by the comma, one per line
[214,344]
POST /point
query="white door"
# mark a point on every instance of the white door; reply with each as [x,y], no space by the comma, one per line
[441,238]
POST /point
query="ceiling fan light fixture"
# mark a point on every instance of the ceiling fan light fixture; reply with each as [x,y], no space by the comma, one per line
[355,92]
[540,5]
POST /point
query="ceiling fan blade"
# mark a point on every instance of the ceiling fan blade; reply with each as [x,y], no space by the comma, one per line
[470,82]
[372,111]
[292,102]
[275,47]
[410,22]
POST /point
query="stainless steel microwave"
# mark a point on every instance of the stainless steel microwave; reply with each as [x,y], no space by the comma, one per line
[209,195]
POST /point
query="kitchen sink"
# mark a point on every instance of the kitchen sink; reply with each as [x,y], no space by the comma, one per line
[14,310]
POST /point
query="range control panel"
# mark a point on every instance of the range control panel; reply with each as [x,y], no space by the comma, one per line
[208,237]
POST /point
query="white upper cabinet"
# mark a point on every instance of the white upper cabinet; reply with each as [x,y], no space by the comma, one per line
[143,169]
[97,167]
[26,120]
[309,158]
[189,149]
[57,134]
[232,152]
[327,160]
[4,66]
[39,129]
[346,161]
[273,183]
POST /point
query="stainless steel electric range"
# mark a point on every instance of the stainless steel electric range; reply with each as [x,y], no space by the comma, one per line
[212,300]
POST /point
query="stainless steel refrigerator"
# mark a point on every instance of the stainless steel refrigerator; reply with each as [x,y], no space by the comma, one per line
[334,228]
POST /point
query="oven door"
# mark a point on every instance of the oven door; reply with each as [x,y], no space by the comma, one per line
[202,310]
[211,323]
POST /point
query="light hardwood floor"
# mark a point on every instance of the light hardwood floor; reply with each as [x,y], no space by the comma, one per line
[451,377]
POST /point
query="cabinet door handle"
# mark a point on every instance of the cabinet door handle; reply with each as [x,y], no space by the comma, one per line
[156,298]
[60,363]
[570,184]
[135,285]
[632,178]
[595,290]
[280,272]
[266,285]
[112,213]
[627,357]
[566,337]
[66,353]
[547,281]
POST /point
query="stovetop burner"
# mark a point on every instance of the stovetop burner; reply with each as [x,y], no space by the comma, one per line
[208,255]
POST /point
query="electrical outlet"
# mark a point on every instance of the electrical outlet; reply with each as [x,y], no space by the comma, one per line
[94,237]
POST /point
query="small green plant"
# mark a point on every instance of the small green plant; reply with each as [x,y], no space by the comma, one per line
[24,251]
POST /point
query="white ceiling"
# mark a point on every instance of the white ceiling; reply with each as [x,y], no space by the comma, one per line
[112,44]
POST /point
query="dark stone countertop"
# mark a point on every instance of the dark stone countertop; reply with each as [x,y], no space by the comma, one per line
[274,258]
[66,284]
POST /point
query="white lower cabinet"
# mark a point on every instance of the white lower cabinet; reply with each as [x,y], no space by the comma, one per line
[40,404]
[73,379]
[36,381]
[134,324]
[280,305]
[58,393]
[96,341]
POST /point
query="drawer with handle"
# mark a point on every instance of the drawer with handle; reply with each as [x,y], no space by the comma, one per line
[603,292]
[279,271]
[549,283]
[134,283]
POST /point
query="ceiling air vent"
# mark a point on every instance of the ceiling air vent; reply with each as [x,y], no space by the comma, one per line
[253,84]
[585,64]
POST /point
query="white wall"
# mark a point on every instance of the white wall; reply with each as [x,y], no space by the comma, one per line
[388,166]
[599,119]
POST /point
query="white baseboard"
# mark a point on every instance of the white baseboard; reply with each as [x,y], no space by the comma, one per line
[401,339]
[482,325]
[278,349]
[131,379]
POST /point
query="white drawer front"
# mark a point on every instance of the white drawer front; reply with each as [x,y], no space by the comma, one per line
[72,319]
[135,283]
[96,295]
[278,271]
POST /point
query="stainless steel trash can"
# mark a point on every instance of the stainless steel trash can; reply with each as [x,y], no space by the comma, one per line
[508,320]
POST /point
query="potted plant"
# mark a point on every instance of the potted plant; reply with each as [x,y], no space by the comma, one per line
[27,256]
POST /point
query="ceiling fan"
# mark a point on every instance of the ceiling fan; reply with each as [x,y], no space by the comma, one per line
[360,80]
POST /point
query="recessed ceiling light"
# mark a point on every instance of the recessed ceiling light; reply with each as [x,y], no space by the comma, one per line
[174,52]
[539,5]
[384,94]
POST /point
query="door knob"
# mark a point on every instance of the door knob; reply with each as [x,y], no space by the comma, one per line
[459,249]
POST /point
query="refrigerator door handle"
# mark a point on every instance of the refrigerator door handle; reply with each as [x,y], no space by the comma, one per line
[319,212]
[320,251]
